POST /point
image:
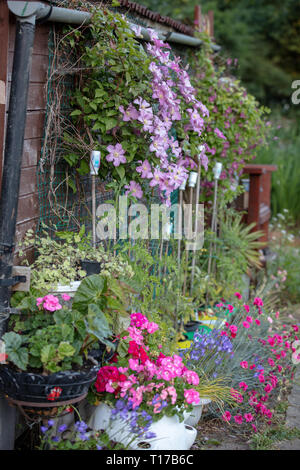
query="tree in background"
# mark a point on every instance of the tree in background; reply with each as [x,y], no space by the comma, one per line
[262,34]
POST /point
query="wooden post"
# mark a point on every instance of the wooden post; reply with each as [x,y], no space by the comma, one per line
[197,17]
[259,196]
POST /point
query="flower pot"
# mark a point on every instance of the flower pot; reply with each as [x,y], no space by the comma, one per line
[66,289]
[91,267]
[171,434]
[37,388]
[194,416]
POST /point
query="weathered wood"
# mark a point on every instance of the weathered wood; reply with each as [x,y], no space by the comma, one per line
[35,124]
[260,196]
[28,181]
[39,68]
[31,152]
[28,208]
[36,96]
[21,271]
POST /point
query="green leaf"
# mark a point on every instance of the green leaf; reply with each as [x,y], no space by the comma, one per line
[14,350]
[65,349]
[47,353]
[110,123]
[84,168]
[121,171]
[89,292]
[77,112]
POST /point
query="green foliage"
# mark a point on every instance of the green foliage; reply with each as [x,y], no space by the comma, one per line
[114,72]
[285,245]
[269,438]
[15,350]
[51,342]
[106,300]
[234,112]
[283,151]
[58,261]
[262,34]
[236,253]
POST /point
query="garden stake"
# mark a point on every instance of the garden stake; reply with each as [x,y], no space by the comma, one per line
[192,183]
[201,149]
[181,189]
[217,172]
[169,228]
[94,168]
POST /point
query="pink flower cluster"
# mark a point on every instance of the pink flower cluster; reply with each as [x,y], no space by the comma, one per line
[50,302]
[154,381]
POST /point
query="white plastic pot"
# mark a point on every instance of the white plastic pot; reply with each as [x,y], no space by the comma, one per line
[67,289]
[171,434]
[195,415]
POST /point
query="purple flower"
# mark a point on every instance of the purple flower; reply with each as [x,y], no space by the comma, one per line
[130,113]
[134,189]
[62,428]
[145,169]
[116,154]
[219,134]
[44,429]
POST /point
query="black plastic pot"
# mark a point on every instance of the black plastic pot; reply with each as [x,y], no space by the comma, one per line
[91,267]
[192,325]
[101,355]
[36,388]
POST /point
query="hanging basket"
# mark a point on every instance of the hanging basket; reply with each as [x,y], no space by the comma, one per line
[38,388]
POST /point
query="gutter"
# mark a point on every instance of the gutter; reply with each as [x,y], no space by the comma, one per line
[65,15]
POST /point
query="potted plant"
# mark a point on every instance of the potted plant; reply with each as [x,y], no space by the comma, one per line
[149,387]
[62,262]
[54,350]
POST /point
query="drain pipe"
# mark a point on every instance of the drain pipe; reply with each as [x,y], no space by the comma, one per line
[25,29]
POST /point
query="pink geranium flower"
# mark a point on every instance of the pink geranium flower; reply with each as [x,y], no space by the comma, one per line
[227,416]
[244,364]
[238,295]
[238,419]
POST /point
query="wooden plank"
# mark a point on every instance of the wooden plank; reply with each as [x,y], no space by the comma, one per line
[35,124]
[28,208]
[258,169]
[254,200]
[4,41]
[31,152]
[28,181]
[40,45]
[39,68]
[36,96]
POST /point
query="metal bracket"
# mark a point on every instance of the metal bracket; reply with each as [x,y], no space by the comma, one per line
[12,281]
[6,248]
